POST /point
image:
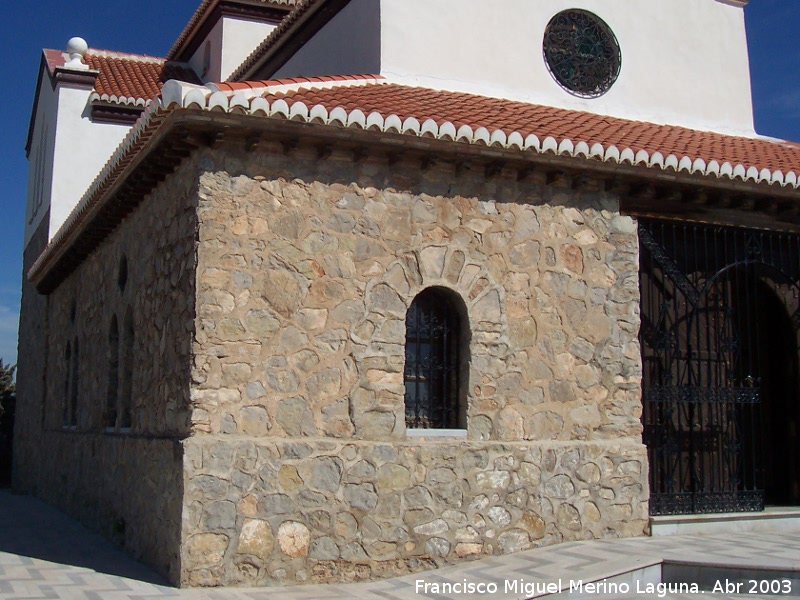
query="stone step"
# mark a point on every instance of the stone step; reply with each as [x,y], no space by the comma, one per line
[771,520]
[683,580]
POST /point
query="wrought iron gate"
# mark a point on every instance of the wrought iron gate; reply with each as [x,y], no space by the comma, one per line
[702,362]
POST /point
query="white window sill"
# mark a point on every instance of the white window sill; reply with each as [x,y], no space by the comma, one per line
[436,433]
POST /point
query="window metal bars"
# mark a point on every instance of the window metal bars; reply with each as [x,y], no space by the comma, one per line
[432,362]
[582,53]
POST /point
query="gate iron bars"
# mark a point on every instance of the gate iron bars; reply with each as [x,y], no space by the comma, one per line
[702,391]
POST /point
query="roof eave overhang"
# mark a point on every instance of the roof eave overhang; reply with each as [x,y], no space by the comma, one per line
[116,113]
[76,77]
[175,134]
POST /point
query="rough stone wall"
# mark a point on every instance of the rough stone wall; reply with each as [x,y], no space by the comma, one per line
[31,359]
[276,511]
[125,483]
[300,467]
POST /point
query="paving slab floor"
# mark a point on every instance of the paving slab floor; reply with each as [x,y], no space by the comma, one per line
[45,554]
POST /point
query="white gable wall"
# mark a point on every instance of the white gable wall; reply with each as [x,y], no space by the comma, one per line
[231,41]
[684,62]
[214,40]
[240,38]
[40,163]
[82,148]
[67,152]
[348,45]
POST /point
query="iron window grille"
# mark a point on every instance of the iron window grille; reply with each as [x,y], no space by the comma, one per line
[432,362]
[582,53]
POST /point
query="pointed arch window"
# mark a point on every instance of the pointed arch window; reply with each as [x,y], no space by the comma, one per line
[126,391]
[112,391]
[117,416]
[433,363]
[67,412]
[71,416]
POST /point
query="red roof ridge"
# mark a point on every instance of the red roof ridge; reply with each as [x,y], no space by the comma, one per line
[58,58]
[296,83]
[125,56]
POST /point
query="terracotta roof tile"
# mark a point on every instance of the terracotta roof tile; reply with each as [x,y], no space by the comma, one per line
[542,121]
[134,77]
[235,86]
[385,106]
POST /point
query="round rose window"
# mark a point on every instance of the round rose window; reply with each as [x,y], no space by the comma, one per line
[582,53]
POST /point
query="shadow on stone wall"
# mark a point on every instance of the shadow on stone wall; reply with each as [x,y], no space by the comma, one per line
[6,440]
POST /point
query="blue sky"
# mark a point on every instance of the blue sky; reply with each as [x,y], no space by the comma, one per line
[150,27]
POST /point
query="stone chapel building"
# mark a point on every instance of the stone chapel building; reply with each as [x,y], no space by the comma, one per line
[343,289]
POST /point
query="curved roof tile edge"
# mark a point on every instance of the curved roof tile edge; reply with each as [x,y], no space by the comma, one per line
[282,86]
[119,100]
[176,95]
[254,103]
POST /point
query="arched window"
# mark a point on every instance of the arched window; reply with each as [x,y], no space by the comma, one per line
[66,416]
[206,59]
[122,273]
[434,351]
[73,392]
[113,375]
[127,370]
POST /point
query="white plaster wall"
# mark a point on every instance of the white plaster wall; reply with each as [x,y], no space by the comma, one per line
[240,38]
[214,38]
[232,41]
[40,163]
[348,45]
[81,149]
[684,62]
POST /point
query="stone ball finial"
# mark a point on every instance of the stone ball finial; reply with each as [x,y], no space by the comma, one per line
[76,49]
[77,45]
